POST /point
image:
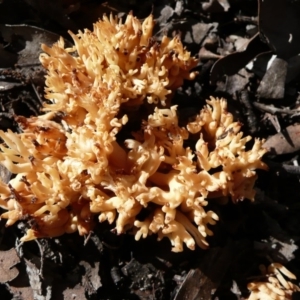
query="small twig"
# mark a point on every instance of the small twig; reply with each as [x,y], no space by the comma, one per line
[30,65]
[274,120]
[37,93]
[97,242]
[275,110]
[41,259]
[246,19]
[19,247]
[87,238]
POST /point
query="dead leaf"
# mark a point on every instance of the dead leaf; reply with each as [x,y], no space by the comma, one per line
[5,175]
[165,14]
[203,281]
[234,83]
[23,50]
[284,249]
[34,279]
[6,86]
[272,86]
[36,282]
[235,289]
[190,287]
[205,54]
[76,293]
[216,6]
[200,31]
[259,65]
[232,63]
[279,23]
[8,259]
[261,62]
[287,141]
[21,293]
[91,280]
[28,39]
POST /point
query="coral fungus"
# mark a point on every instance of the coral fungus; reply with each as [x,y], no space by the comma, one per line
[275,286]
[70,171]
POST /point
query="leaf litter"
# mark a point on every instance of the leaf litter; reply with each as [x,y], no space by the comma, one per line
[246,55]
[8,260]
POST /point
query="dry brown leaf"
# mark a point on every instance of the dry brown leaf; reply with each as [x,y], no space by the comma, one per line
[287,141]
[8,259]
[214,6]
[31,38]
[272,86]
[232,63]
[36,281]
[21,293]
[5,175]
[75,293]
[91,280]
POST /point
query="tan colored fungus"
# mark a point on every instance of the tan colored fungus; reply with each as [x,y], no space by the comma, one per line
[275,285]
[69,172]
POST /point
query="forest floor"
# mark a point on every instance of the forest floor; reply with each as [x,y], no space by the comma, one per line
[248,53]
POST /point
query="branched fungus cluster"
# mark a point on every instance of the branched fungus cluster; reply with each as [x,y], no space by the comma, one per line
[274,285]
[110,145]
